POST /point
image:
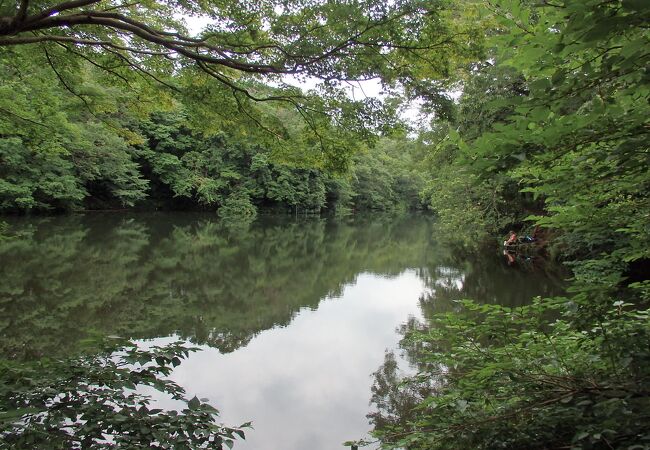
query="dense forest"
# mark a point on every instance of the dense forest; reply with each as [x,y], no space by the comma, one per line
[100,151]
[95,128]
[536,118]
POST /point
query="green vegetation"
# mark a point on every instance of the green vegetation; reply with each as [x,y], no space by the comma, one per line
[73,159]
[552,131]
[93,402]
[108,105]
[498,377]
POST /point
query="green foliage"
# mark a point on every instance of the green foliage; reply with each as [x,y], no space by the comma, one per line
[415,42]
[102,150]
[552,131]
[234,74]
[238,205]
[93,402]
[53,152]
[33,179]
[579,140]
[224,170]
[469,208]
[387,176]
[208,170]
[495,377]
[474,203]
[79,95]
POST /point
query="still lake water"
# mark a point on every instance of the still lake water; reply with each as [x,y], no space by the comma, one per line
[292,315]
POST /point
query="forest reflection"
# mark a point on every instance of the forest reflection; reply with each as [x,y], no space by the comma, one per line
[394,402]
[66,279]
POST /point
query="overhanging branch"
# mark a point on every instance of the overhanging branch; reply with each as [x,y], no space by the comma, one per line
[70,21]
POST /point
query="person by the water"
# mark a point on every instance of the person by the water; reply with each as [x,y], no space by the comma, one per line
[512,239]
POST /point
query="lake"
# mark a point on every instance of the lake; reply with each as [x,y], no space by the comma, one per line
[293,315]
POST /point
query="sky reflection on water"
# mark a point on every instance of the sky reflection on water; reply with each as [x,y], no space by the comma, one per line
[307,385]
[293,315]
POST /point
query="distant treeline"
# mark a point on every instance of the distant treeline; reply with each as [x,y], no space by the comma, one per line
[176,167]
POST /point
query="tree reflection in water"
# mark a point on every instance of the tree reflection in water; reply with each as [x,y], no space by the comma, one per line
[486,280]
[217,284]
[150,275]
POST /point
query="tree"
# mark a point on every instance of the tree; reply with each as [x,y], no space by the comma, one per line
[578,142]
[57,150]
[332,41]
[490,377]
[247,42]
[92,402]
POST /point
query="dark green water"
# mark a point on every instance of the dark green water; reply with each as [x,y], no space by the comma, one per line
[293,314]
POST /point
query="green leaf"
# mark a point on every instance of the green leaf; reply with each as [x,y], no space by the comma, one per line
[194,403]
[580,436]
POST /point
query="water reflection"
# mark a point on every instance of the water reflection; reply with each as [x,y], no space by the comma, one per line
[487,278]
[152,275]
[293,315]
[155,275]
[307,386]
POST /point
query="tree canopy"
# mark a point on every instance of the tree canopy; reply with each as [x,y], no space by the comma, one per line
[332,41]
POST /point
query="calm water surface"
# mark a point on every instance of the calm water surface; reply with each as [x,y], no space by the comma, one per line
[292,316]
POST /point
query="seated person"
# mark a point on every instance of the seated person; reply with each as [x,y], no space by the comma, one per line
[512,239]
